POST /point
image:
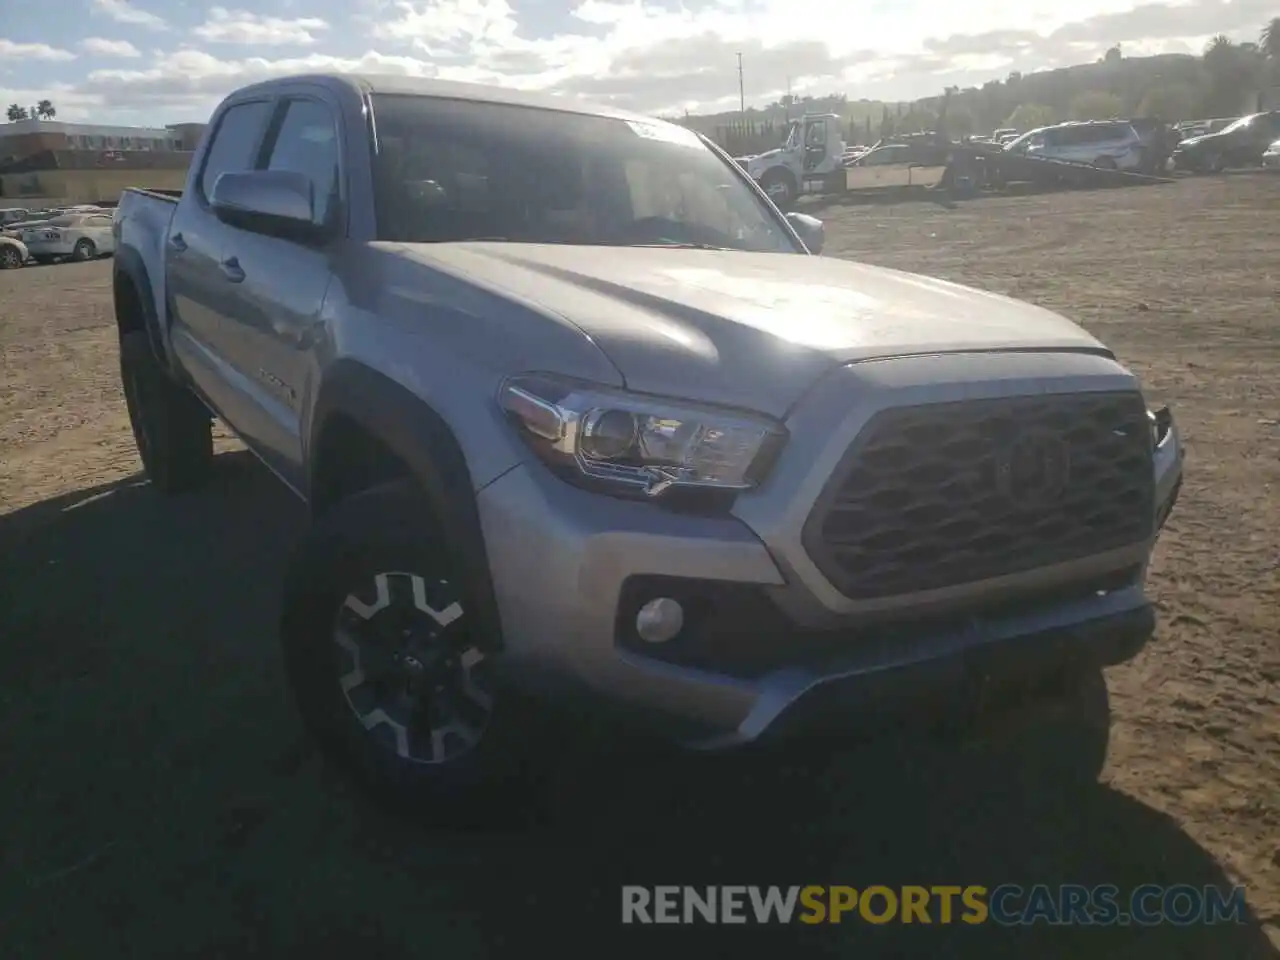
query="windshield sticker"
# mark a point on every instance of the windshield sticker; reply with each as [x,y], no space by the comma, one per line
[666,132]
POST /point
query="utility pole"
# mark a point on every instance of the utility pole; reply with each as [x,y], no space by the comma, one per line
[742,97]
[786,106]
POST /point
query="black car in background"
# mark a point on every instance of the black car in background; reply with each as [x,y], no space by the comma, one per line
[1240,144]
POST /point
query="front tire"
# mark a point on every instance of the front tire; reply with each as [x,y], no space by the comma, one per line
[1063,738]
[171,427]
[10,258]
[780,185]
[84,250]
[390,672]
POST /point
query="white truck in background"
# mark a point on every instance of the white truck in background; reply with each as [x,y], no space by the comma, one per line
[810,160]
[814,159]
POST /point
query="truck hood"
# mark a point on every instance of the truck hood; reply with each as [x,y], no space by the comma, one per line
[766,157]
[753,330]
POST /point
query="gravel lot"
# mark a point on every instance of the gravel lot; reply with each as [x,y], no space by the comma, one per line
[161,801]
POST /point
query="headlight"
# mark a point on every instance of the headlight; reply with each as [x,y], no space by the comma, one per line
[639,444]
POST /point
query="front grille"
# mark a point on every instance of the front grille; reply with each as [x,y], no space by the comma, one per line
[945,494]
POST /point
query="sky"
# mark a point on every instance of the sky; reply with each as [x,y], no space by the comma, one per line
[152,62]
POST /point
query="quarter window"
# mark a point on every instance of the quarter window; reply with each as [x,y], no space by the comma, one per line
[234,143]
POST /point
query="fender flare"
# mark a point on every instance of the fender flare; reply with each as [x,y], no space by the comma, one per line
[129,265]
[784,170]
[416,434]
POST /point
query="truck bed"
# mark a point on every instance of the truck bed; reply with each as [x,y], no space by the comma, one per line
[169,196]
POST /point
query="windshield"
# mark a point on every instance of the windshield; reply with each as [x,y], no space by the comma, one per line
[1022,142]
[1238,124]
[453,170]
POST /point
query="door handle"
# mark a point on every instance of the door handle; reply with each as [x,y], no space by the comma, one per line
[231,269]
[177,242]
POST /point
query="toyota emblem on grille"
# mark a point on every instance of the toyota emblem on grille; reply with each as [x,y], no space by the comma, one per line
[1034,468]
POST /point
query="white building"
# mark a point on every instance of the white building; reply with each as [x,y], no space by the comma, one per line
[25,137]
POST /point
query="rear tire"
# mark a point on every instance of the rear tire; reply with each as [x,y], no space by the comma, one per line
[389,671]
[171,427]
[84,250]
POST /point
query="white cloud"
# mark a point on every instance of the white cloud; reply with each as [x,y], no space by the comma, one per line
[32,51]
[662,56]
[189,83]
[423,24]
[101,47]
[123,11]
[251,29]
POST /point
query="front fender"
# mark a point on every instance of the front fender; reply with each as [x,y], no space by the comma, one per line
[421,439]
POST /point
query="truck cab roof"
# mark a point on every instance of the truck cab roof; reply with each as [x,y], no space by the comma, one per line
[395,84]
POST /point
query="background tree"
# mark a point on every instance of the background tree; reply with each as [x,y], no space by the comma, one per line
[1095,105]
[1170,102]
[16,112]
[917,120]
[1234,73]
[45,110]
[1028,116]
[1269,45]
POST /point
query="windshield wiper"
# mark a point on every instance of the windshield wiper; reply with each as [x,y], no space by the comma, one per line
[682,245]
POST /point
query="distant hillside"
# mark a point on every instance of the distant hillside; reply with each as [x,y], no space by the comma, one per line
[1228,80]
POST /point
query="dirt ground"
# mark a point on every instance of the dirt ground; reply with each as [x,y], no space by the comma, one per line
[160,800]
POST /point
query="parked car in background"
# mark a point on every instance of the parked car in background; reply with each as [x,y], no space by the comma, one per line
[13,253]
[1198,128]
[75,236]
[916,161]
[14,215]
[1271,157]
[1240,144]
[1110,144]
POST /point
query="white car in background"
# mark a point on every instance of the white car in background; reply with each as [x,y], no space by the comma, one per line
[75,236]
[13,253]
[1271,156]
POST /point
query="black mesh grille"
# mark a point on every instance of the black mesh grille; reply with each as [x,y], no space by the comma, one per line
[945,494]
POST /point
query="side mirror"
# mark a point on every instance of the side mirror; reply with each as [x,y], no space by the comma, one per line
[810,230]
[273,202]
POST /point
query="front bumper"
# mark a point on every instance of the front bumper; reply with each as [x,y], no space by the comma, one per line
[566,564]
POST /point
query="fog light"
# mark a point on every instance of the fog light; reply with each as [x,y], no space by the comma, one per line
[659,620]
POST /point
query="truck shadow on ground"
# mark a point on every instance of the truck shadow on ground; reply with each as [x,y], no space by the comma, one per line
[161,800]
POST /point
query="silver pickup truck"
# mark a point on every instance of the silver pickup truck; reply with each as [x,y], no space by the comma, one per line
[586,425]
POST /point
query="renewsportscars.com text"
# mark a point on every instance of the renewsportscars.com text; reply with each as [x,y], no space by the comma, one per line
[1005,905]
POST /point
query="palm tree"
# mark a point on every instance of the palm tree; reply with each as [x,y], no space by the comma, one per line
[1218,45]
[1269,40]
[16,112]
[46,110]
